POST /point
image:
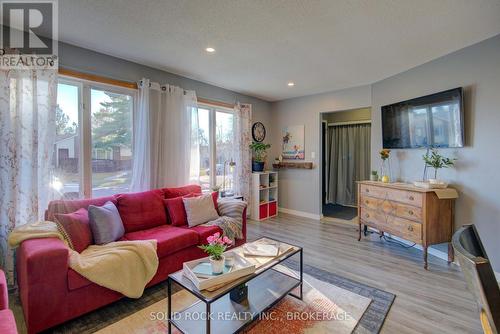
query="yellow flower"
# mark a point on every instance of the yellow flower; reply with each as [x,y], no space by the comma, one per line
[385,153]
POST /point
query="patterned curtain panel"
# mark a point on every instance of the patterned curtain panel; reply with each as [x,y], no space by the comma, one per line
[27,135]
[243,157]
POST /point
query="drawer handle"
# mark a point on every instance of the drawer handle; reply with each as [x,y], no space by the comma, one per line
[410,212]
[410,228]
[367,215]
[411,198]
[367,190]
[367,202]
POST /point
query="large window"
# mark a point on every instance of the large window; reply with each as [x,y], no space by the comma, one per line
[216,132]
[93,150]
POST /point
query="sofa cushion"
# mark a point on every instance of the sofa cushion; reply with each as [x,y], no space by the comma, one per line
[175,210]
[141,211]
[200,209]
[105,223]
[68,206]
[7,322]
[170,239]
[181,191]
[76,228]
[204,232]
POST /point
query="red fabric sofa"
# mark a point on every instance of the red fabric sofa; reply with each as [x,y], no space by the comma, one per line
[52,293]
[7,321]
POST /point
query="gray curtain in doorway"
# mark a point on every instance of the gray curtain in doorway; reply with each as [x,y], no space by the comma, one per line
[348,161]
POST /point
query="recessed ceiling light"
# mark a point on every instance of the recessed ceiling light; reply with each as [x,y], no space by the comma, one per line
[210,50]
[291,84]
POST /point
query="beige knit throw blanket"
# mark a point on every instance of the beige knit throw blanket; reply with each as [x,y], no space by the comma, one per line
[123,266]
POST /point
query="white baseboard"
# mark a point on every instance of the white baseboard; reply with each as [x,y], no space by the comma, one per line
[300,213]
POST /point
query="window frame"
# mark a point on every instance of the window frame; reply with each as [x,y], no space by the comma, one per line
[85,124]
[212,136]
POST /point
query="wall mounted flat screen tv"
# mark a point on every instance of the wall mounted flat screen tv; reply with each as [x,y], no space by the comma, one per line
[435,120]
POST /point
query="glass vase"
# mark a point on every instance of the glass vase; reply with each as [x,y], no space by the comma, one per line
[385,171]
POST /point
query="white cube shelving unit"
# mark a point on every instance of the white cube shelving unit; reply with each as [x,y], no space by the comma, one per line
[264,195]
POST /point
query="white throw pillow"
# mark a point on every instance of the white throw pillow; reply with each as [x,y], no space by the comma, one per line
[200,210]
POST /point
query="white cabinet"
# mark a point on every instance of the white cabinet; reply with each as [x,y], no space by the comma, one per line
[264,195]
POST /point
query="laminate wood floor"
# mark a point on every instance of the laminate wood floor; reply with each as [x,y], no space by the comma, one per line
[433,301]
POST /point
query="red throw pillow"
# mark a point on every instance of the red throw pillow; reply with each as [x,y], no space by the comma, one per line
[76,228]
[140,211]
[215,197]
[176,211]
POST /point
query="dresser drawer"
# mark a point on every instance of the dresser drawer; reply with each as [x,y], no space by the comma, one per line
[397,226]
[402,196]
[392,207]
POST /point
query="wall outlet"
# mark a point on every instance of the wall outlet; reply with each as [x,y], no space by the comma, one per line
[313,155]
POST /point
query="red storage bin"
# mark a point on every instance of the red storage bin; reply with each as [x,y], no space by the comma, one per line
[263,214]
[273,209]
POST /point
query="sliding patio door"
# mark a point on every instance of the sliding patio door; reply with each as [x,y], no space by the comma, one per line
[348,161]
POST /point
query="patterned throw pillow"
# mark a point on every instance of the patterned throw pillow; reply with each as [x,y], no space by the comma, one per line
[232,208]
[75,228]
[200,209]
[105,223]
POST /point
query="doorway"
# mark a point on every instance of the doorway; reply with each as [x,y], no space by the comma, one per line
[345,150]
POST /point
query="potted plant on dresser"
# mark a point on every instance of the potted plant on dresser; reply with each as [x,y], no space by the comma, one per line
[437,161]
[259,155]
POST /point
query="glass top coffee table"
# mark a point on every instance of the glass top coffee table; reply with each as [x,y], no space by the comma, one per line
[216,312]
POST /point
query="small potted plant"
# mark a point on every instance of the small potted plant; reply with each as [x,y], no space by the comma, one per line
[374,175]
[437,161]
[259,155]
[215,249]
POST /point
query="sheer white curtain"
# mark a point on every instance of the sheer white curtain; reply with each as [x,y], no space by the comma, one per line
[166,152]
[27,135]
[241,153]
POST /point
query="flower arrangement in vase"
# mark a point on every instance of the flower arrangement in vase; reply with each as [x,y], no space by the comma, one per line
[385,166]
[215,250]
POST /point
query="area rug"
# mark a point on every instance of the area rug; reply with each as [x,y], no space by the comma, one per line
[364,305]
[325,308]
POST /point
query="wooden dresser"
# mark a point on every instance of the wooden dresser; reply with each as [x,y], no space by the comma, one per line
[422,216]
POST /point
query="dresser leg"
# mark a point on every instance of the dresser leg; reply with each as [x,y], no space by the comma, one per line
[425,258]
[359,236]
[451,253]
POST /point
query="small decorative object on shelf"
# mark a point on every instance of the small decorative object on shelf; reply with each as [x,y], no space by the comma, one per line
[374,175]
[385,166]
[436,161]
[259,155]
[239,294]
[215,248]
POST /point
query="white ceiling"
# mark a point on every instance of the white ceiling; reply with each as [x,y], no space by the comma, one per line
[263,44]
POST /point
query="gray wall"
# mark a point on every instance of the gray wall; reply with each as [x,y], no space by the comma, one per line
[300,188]
[88,61]
[477,68]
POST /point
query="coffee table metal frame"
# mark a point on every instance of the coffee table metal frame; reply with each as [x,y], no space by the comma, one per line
[208,301]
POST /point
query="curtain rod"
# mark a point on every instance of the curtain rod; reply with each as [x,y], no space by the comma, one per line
[127,84]
[350,123]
